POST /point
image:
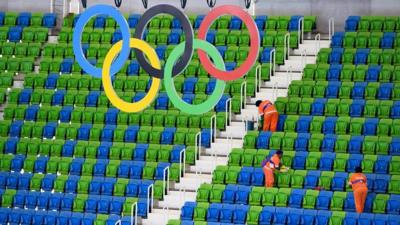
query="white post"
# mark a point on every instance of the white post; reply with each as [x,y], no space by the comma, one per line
[331,27]
[166,180]
[300,31]
[243,89]
[182,162]
[258,78]
[272,58]
[134,214]
[228,104]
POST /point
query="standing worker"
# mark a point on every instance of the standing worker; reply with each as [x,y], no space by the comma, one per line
[268,115]
[269,165]
[358,182]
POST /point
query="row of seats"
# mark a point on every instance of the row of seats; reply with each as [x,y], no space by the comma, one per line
[67,202]
[107,133]
[327,180]
[120,187]
[158,118]
[225,22]
[338,107]
[295,198]
[219,214]
[317,142]
[344,90]
[93,149]
[325,161]
[348,73]
[86,167]
[372,23]
[95,99]
[340,125]
[32,216]
[20,49]
[24,19]
[14,65]
[385,40]
[27,34]
[359,56]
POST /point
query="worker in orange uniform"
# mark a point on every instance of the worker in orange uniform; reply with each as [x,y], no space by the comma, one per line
[358,182]
[269,166]
[268,115]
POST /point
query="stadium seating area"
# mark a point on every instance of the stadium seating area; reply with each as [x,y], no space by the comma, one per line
[67,156]
[342,114]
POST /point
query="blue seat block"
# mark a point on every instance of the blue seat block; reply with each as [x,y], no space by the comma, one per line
[358,90]
[373,73]
[299,160]
[339,181]
[296,198]
[311,179]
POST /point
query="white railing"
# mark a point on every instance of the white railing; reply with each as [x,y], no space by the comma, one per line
[182,162]
[331,27]
[150,198]
[197,145]
[272,59]
[258,79]
[166,180]
[286,48]
[243,90]
[213,127]
[317,43]
[228,111]
[300,31]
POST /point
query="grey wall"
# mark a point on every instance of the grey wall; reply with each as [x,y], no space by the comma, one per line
[323,9]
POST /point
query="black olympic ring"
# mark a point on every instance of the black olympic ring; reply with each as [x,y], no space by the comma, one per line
[187,28]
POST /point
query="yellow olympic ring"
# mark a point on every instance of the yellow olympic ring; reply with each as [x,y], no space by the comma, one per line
[107,84]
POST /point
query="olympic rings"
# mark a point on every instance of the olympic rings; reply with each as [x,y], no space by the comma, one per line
[77,35]
[187,28]
[169,83]
[108,88]
[254,42]
[182,55]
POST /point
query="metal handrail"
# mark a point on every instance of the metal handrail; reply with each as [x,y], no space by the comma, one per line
[197,145]
[213,126]
[166,180]
[119,222]
[243,89]
[133,215]
[317,43]
[272,62]
[331,27]
[258,78]
[150,199]
[300,31]
[228,119]
[286,48]
[182,162]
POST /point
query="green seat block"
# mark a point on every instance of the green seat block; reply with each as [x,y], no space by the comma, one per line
[325,180]
[368,163]
[256,195]
[395,165]
[216,193]
[310,199]
[342,143]
[248,157]
[203,193]
[337,201]
[297,180]
[200,212]
[379,205]
[268,197]
[219,174]
[253,215]
[284,179]
[394,185]
[276,140]
[232,174]
[337,218]
[282,197]
[340,162]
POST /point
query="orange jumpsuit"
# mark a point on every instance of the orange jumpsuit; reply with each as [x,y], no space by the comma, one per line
[270,116]
[358,182]
[269,168]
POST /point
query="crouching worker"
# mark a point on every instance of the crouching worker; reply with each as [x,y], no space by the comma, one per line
[269,166]
[358,182]
[268,115]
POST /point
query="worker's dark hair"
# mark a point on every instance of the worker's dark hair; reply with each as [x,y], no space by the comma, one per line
[279,152]
[358,169]
[258,103]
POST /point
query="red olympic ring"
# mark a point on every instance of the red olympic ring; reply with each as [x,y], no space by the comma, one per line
[254,42]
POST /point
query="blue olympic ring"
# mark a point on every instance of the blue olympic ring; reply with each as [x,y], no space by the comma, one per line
[77,35]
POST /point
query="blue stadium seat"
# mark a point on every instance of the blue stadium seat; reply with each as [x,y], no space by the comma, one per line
[393,205]
[318,107]
[51,81]
[235,24]
[265,55]
[361,56]
[213,212]
[226,213]
[336,56]
[92,98]
[301,143]
[23,19]
[328,144]
[133,68]
[260,21]
[311,179]
[257,178]
[131,134]
[58,99]
[66,65]
[353,162]
[351,23]
[351,218]
[15,34]
[242,194]
[358,90]
[198,21]
[373,73]
[296,198]
[25,96]
[49,20]
[299,160]
[339,181]
[188,210]
[370,126]
[244,176]
[303,124]
[355,144]
[133,20]
[281,216]
[337,39]
[65,114]
[31,112]
[385,91]
[349,204]
[228,196]
[294,23]
[176,24]
[334,71]
[167,136]
[263,140]
[366,218]
[388,40]
[230,66]
[332,91]
[357,108]
[100,21]
[382,164]
[328,127]
[326,161]
[381,183]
